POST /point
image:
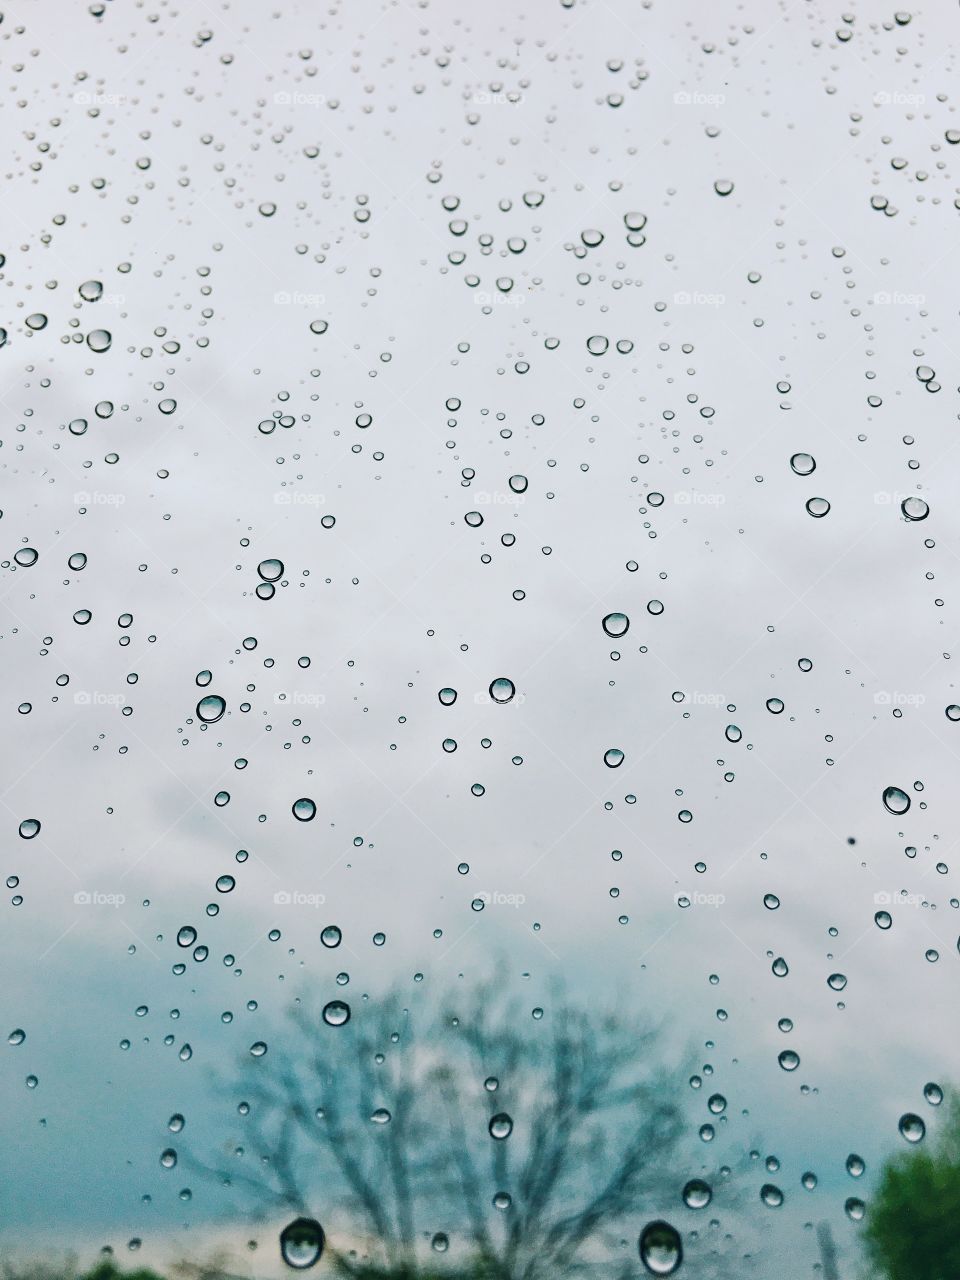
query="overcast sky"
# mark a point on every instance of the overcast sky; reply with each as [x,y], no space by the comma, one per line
[233,174]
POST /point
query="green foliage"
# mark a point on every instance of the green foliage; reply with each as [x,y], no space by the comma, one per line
[105,1269]
[372,1272]
[913,1229]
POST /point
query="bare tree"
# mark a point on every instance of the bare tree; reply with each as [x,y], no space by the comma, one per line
[518,1146]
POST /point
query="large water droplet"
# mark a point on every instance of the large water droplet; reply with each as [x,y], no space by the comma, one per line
[99,340]
[336,1013]
[895,800]
[803,464]
[616,625]
[697,1194]
[817,507]
[501,1126]
[270,570]
[502,689]
[301,1243]
[211,708]
[661,1249]
[912,1127]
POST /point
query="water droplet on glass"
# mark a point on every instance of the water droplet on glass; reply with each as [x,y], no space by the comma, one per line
[99,340]
[697,1194]
[336,1013]
[301,1243]
[502,689]
[912,1127]
[501,1126]
[616,625]
[895,800]
[661,1249]
[914,509]
[211,708]
[270,570]
[817,507]
[803,464]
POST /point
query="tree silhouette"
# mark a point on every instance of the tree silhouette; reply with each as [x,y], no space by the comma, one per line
[913,1225]
[510,1145]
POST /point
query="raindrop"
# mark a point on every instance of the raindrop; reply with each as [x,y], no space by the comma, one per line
[895,800]
[803,464]
[304,809]
[616,625]
[270,570]
[211,708]
[817,507]
[914,509]
[301,1243]
[697,1194]
[912,1127]
[99,340]
[661,1249]
[502,689]
[501,1126]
